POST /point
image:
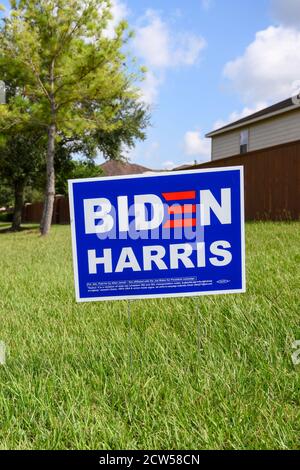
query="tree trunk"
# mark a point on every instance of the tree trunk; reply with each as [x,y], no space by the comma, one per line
[18,206]
[50,185]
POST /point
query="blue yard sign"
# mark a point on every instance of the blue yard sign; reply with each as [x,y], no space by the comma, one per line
[159,235]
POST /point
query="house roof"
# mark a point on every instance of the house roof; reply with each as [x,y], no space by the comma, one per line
[117,168]
[182,167]
[275,109]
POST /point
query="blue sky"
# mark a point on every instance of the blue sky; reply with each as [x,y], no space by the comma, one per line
[194,96]
[209,62]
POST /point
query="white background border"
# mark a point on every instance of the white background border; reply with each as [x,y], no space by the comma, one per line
[153,175]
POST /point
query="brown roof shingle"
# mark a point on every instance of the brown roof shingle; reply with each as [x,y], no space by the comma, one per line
[118,168]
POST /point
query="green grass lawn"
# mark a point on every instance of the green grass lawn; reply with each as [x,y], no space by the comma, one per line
[196,373]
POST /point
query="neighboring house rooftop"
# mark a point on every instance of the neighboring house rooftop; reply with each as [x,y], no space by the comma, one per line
[183,167]
[188,166]
[118,168]
[274,110]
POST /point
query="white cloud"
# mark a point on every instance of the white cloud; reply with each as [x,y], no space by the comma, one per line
[152,150]
[287,12]
[187,49]
[269,66]
[150,87]
[152,41]
[168,165]
[236,115]
[206,4]
[119,12]
[161,48]
[196,145]
[147,154]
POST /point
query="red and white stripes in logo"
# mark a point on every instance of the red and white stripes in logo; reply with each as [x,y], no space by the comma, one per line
[187,208]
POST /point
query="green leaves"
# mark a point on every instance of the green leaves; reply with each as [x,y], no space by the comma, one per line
[68,74]
[89,76]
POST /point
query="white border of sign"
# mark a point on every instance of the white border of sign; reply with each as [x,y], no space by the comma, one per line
[157,296]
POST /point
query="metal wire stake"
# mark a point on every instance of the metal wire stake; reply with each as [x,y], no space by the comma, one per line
[129,335]
[198,328]
[2,353]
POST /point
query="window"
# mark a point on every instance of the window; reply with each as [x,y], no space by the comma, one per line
[244,141]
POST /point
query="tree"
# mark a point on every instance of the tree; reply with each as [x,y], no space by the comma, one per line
[135,119]
[70,72]
[74,170]
[21,161]
[21,156]
[6,194]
